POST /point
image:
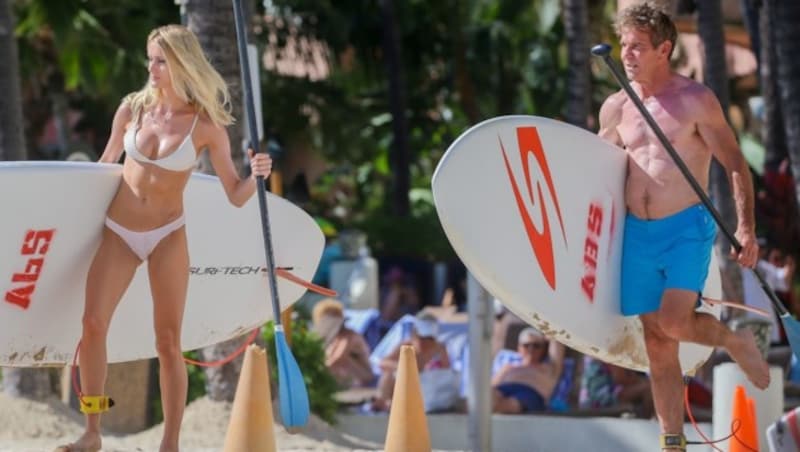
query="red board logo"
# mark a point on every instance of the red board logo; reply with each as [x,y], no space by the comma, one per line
[591,245]
[34,247]
[541,241]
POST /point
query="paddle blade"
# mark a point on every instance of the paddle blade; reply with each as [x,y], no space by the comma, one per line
[792,328]
[291,386]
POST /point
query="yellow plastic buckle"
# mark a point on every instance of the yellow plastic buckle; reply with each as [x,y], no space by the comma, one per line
[95,404]
[673,441]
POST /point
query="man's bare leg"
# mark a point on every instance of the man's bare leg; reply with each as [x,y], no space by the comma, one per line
[678,320]
[666,380]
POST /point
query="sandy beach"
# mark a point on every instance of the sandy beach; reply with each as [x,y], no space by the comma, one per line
[31,426]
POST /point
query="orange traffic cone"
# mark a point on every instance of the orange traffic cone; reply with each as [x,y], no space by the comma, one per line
[751,407]
[743,421]
[408,427]
[251,427]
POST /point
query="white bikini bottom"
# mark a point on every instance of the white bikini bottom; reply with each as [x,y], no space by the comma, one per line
[143,243]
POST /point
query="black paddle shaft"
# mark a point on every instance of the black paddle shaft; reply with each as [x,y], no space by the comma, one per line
[603,51]
[261,188]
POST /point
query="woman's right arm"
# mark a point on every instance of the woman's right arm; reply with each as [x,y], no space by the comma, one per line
[113,150]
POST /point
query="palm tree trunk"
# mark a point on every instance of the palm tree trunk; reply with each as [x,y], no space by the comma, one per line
[34,383]
[787,48]
[576,25]
[773,131]
[12,137]
[709,18]
[399,155]
[463,80]
[212,22]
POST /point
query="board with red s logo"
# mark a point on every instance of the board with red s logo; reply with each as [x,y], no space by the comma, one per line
[534,208]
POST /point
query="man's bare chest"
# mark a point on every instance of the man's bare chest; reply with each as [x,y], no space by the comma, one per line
[675,121]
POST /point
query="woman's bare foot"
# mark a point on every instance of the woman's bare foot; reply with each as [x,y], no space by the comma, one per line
[745,352]
[88,442]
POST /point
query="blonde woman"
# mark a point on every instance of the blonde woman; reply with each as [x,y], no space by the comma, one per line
[181,110]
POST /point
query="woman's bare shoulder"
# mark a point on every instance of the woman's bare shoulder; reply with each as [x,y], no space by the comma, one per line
[124,110]
[207,131]
[123,116]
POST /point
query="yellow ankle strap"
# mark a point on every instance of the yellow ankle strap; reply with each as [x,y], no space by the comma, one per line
[95,404]
[673,441]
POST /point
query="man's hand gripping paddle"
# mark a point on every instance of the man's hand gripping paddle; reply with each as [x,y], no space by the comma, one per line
[790,324]
[292,390]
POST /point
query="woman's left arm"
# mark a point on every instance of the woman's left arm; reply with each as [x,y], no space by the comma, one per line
[237,189]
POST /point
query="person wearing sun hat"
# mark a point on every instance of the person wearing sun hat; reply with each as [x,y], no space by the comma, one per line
[346,352]
[431,355]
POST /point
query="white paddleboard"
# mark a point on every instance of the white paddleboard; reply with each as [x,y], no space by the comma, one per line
[535,209]
[52,218]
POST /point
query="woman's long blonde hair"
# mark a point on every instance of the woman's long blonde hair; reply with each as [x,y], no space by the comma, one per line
[193,78]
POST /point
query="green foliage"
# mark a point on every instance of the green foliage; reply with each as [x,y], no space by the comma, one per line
[97,46]
[87,53]
[308,351]
[197,378]
[418,235]
[512,53]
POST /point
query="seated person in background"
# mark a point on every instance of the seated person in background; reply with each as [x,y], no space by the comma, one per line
[527,386]
[398,297]
[605,385]
[505,323]
[786,262]
[346,352]
[778,274]
[431,354]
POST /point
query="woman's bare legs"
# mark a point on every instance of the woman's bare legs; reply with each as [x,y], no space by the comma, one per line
[168,267]
[109,276]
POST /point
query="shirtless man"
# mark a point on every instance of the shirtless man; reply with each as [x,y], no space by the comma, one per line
[527,386]
[668,233]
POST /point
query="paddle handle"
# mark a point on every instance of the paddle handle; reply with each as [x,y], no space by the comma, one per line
[261,187]
[603,51]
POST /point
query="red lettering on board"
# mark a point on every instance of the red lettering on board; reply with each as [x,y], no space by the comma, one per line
[529,145]
[35,244]
[594,225]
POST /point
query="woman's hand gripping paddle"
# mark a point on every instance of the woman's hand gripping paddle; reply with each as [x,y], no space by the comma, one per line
[790,324]
[292,390]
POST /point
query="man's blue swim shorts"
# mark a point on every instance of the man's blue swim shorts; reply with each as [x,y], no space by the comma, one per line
[673,252]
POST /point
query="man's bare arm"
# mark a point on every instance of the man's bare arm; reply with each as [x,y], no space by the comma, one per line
[610,117]
[720,139]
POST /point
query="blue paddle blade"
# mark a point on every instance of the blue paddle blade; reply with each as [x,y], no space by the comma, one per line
[291,386]
[792,328]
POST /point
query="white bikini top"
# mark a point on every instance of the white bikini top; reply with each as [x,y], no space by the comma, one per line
[182,159]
